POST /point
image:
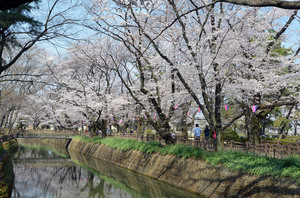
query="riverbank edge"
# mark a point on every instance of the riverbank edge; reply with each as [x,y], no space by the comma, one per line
[192,174]
[64,143]
[6,169]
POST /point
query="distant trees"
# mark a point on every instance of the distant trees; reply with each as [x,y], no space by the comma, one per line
[19,33]
[25,78]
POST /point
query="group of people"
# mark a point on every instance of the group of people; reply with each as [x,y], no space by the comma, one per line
[198,131]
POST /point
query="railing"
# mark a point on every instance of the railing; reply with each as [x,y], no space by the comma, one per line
[141,137]
[275,149]
[266,148]
[208,144]
[41,136]
[4,138]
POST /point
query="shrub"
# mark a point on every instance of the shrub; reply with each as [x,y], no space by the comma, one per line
[230,134]
[149,131]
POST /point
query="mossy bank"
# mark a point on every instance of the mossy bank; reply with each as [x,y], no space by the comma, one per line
[6,167]
[192,174]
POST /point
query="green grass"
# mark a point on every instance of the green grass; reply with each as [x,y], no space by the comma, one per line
[258,165]
[291,138]
[236,161]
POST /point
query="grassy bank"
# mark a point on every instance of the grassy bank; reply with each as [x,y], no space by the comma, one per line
[11,146]
[237,161]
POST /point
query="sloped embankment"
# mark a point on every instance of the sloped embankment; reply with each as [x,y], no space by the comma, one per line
[192,174]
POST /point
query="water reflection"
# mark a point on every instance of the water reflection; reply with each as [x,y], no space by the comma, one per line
[139,185]
[40,172]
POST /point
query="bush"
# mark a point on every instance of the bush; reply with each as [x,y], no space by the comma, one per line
[149,131]
[230,134]
[243,139]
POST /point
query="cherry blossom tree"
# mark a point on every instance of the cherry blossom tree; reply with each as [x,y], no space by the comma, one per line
[202,45]
[88,89]
[26,78]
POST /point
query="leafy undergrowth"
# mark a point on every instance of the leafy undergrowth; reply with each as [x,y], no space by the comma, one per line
[250,163]
[233,160]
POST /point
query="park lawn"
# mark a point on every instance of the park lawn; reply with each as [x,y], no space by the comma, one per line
[233,160]
[292,138]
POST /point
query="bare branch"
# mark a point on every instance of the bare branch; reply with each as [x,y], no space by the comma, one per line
[266,3]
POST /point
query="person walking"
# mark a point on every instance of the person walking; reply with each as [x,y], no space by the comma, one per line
[214,135]
[197,132]
[206,132]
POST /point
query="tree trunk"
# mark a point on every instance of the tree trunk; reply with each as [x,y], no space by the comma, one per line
[94,129]
[254,129]
[256,123]
[140,126]
[6,119]
[285,123]
[169,139]
[103,128]
[14,120]
[163,129]
[219,131]
[263,131]
[184,126]
[2,120]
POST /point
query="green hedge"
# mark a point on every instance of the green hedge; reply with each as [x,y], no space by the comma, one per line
[230,134]
[233,160]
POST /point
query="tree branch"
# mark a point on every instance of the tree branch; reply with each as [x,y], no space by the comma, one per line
[266,3]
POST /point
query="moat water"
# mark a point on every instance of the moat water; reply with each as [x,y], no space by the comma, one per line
[52,172]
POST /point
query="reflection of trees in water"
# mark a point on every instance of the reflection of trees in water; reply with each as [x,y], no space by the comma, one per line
[39,152]
[136,184]
[57,177]
[73,181]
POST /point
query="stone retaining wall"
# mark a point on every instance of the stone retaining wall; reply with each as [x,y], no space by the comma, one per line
[44,142]
[192,174]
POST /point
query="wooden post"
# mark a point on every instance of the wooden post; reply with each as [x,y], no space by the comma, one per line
[289,149]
